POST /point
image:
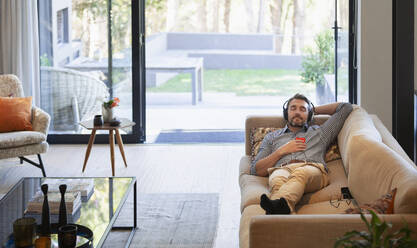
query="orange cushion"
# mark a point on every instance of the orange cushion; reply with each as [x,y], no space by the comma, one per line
[15,114]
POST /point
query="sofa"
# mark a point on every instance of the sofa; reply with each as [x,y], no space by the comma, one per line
[371,164]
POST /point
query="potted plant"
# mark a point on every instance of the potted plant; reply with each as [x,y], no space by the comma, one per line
[107,109]
[318,61]
[377,236]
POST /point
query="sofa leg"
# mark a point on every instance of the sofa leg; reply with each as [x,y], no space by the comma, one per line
[21,161]
[40,165]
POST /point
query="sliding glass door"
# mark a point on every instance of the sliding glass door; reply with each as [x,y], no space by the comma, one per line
[345,65]
[87,56]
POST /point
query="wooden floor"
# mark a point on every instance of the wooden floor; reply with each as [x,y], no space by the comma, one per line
[193,168]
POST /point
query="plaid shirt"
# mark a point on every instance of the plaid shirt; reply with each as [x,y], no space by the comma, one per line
[317,139]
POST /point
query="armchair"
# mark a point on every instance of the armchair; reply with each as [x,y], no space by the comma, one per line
[70,96]
[23,143]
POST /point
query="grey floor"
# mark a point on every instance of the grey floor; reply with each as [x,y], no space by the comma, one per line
[194,168]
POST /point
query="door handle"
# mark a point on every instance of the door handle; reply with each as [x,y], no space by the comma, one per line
[141,39]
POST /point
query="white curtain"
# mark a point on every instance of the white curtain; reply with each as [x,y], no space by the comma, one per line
[19,44]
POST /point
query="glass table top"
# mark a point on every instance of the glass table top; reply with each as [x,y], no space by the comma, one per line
[101,199]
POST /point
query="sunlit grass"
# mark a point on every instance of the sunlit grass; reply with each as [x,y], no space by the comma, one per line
[242,82]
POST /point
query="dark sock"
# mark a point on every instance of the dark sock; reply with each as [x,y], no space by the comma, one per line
[266,204]
[278,206]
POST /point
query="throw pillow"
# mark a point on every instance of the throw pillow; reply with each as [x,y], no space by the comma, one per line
[257,134]
[383,205]
[15,114]
[332,153]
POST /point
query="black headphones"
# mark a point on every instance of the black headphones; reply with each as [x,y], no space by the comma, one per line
[310,108]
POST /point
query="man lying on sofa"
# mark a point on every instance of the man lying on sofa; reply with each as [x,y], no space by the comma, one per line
[293,157]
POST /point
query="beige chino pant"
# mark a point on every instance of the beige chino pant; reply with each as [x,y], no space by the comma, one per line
[293,180]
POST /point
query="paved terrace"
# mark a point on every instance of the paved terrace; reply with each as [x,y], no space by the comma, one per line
[166,111]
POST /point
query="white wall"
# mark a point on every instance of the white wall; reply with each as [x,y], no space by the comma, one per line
[375,58]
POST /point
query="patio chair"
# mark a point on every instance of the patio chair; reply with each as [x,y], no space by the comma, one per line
[24,143]
[70,96]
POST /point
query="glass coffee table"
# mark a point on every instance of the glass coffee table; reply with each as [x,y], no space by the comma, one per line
[102,199]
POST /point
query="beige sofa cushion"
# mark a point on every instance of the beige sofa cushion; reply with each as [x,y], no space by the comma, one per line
[375,170]
[299,231]
[244,166]
[337,180]
[20,151]
[325,207]
[16,139]
[245,220]
[252,187]
[357,123]
[388,139]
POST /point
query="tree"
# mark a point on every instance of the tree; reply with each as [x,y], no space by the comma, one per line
[156,16]
[202,15]
[88,11]
[343,17]
[94,13]
[172,7]
[226,19]
[121,25]
[260,16]
[297,41]
[249,16]
[318,60]
[275,7]
[216,8]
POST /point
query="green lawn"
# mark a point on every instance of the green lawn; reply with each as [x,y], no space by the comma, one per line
[242,82]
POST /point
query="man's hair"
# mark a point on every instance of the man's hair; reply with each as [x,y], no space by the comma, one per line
[299,97]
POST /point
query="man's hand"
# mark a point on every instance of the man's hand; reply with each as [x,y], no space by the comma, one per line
[293,146]
[262,165]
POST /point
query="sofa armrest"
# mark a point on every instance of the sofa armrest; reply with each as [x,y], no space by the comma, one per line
[251,187]
[314,230]
[40,120]
[244,165]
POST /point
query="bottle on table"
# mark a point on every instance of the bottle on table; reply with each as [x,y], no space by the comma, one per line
[44,239]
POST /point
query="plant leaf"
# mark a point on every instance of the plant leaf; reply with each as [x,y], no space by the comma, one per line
[366,222]
[346,238]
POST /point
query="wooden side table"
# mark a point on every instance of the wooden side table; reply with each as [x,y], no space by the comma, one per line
[112,130]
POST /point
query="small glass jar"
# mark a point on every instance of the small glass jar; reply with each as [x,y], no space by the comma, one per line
[98,120]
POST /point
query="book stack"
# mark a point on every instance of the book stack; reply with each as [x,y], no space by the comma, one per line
[72,203]
[84,186]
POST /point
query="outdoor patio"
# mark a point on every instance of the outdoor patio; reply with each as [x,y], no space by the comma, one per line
[236,76]
[217,111]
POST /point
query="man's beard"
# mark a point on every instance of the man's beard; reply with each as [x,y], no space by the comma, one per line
[293,124]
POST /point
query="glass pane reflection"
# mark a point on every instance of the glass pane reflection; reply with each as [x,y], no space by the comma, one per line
[343,52]
[94,212]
